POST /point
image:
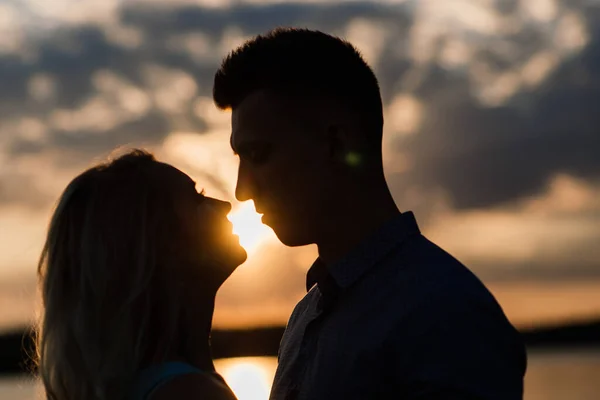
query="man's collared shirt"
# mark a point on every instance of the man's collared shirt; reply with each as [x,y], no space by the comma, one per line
[398,318]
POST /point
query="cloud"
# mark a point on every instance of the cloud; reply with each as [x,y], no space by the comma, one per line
[91,90]
[120,73]
[484,156]
[478,114]
[549,236]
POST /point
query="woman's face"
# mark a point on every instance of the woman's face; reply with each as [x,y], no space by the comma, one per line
[221,249]
[214,250]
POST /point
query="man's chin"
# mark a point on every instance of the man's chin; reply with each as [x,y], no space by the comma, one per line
[285,232]
[290,239]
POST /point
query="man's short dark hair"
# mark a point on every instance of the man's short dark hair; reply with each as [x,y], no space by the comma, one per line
[295,62]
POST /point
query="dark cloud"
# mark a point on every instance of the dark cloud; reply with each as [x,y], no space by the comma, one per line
[485,156]
[255,19]
[72,55]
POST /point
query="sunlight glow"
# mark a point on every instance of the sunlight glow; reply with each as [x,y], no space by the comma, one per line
[249,378]
[539,67]
[571,33]
[248,226]
[42,87]
[540,10]
[405,114]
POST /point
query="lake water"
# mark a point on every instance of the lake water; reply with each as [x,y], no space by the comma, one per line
[552,375]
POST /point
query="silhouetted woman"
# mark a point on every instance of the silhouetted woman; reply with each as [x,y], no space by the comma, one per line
[129,272]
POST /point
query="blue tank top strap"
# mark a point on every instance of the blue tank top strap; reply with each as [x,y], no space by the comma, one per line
[152,377]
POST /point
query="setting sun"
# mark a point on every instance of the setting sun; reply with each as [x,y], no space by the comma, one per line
[248,226]
[249,378]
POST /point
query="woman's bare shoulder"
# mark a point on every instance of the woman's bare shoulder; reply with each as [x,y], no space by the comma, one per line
[194,386]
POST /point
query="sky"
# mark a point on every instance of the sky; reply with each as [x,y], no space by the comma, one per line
[491,133]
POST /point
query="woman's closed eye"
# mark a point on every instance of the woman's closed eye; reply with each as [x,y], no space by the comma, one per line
[201,196]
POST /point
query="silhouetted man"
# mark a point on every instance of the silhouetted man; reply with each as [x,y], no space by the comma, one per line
[388,314]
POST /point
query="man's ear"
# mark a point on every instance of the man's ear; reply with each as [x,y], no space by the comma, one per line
[344,145]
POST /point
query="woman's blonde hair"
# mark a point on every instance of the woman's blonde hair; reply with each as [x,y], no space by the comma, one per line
[110,305]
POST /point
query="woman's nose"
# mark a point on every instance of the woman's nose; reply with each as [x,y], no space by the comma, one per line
[221,206]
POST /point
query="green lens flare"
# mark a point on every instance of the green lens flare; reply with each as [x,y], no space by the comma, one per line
[353,159]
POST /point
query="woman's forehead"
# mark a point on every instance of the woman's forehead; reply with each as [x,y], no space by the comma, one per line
[175,176]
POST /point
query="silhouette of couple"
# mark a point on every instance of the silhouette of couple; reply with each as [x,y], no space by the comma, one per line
[134,256]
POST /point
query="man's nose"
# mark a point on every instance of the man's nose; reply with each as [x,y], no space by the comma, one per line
[245,186]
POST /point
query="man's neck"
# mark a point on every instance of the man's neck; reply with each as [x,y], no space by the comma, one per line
[353,225]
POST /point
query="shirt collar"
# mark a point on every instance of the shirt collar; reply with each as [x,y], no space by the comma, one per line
[368,253]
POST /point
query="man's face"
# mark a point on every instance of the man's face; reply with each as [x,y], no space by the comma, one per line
[284,166]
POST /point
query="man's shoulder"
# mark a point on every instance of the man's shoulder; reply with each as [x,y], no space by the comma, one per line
[419,251]
[420,275]
[459,310]
[436,290]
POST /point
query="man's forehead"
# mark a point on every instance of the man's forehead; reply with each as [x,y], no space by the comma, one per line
[256,118]
[257,108]
[266,116]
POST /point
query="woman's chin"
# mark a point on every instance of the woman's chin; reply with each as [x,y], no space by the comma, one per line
[237,250]
[235,256]
[240,255]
